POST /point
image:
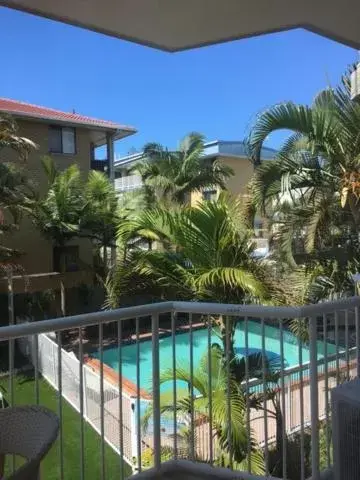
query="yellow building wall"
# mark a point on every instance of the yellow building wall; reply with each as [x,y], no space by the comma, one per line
[236,184]
[38,251]
[243,170]
[196,198]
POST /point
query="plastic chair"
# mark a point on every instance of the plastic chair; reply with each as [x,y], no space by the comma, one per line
[27,431]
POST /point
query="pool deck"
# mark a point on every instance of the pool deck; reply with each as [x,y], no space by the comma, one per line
[91,344]
[164,332]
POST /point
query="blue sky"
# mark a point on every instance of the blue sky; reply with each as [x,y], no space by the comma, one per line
[215,90]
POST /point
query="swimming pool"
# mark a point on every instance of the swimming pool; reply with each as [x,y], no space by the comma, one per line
[200,344]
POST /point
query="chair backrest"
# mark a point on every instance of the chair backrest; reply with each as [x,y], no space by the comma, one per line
[28,431]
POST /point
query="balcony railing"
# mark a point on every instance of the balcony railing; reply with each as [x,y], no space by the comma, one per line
[285,395]
[130,182]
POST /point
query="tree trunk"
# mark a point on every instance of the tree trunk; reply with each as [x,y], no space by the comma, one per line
[105,258]
[227,340]
[279,437]
[2,465]
[63,299]
[113,256]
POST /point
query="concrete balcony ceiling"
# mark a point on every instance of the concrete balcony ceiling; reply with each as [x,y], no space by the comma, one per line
[175,25]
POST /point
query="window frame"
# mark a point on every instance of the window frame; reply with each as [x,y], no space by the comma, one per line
[60,129]
[66,251]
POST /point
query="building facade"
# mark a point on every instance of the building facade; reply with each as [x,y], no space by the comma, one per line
[68,138]
[230,153]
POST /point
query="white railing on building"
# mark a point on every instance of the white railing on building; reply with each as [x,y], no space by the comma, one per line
[303,391]
[130,182]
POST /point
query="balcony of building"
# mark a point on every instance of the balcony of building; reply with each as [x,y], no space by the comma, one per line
[203,382]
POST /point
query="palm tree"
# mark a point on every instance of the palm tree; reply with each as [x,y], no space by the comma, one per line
[9,138]
[171,176]
[74,207]
[313,187]
[100,212]
[230,431]
[16,191]
[57,215]
[205,253]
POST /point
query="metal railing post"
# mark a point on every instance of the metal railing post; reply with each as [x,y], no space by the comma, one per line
[173,342]
[315,471]
[120,388]
[11,348]
[156,390]
[102,398]
[133,428]
[60,405]
[283,401]
[357,333]
[81,405]
[138,398]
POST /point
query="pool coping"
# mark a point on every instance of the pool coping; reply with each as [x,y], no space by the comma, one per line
[163,332]
[115,379]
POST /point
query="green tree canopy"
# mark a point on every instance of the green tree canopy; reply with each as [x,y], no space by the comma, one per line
[75,206]
[205,253]
[58,213]
[310,193]
[16,190]
[171,176]
[231,437]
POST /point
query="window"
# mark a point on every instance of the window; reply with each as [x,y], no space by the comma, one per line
[66,259]
[210,195]
[62,140]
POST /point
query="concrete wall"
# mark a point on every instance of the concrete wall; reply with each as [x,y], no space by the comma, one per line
[38,251]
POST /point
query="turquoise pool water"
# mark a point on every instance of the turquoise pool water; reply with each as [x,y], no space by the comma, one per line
[200,343]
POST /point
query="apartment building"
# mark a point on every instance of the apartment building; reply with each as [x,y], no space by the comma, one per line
[69,138]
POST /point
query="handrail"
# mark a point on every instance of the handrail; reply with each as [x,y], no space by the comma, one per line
[88,319]
[82,320]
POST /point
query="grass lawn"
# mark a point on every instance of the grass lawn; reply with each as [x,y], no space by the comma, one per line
[24,392]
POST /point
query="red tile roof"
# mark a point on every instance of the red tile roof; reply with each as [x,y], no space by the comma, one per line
[23,109]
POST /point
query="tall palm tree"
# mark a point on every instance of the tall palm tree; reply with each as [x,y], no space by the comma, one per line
[100,211]
[205,253]
[312,189]
[57,214]
[230,431]
[171,176]
[75,207]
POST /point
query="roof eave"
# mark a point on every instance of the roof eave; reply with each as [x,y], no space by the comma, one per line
[118,134]
[338,23]
[118,131]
